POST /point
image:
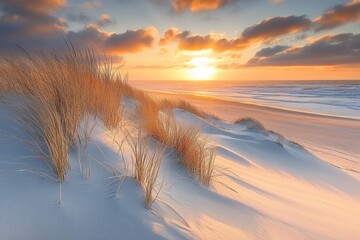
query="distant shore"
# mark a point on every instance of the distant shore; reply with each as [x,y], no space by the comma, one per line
[335,140]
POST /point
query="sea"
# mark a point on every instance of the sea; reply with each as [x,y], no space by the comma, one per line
[334,98]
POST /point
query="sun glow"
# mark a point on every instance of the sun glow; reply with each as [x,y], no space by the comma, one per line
[201,70]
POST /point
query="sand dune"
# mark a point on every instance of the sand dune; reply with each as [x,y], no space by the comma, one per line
[264,187]
[335,140]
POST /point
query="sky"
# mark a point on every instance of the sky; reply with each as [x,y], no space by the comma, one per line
[197,39]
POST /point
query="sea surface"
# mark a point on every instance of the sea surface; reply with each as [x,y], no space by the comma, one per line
[335,98]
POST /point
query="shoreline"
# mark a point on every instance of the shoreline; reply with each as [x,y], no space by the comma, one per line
[335,140]
[250,104]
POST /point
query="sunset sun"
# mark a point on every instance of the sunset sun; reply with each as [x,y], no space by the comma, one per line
[201,69]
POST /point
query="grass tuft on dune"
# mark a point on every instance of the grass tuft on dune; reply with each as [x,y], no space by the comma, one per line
[251,123]
[62,88]
[194,151]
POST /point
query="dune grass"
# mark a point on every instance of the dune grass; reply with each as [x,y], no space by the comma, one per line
[43,124]
[195,152]
[183,105]
[254,124]
[145,164]
[251,123]
[62,88]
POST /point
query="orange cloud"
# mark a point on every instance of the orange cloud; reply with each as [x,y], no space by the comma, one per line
[131,41]
[91,36]
[34,7]
[266,30]
[337,49]
[173,34]
[32,18]
[200,5]
[32,24]
[339,15]
[105,20]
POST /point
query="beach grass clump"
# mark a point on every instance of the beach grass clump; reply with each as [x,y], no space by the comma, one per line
[251,123]
[146,165]
[183,105]
[152,168]
[194,151]
[67,86]
[43,124]
[281,140]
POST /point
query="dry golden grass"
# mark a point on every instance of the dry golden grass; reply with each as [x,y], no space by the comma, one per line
[148,111]
[195,152]
[43,124]
[152,168]
[139,157]
[183,105]
[66,87]
[251,123]
[146,164]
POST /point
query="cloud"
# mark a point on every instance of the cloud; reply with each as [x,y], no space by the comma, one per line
[198,42]
[105,20]
[90,5]
[267,30]
[270,51]
[189,42]
[328,50]
[173,34]
[196,6]
[131,41]
[200,5]
[30,22]
[90,36]
[339,15]
[31,7]
[276,26]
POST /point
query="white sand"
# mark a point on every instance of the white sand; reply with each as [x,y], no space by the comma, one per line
[261,190]
[334,140]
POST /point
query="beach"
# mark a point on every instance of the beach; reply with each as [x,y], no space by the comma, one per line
[262,185]
[335,140]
